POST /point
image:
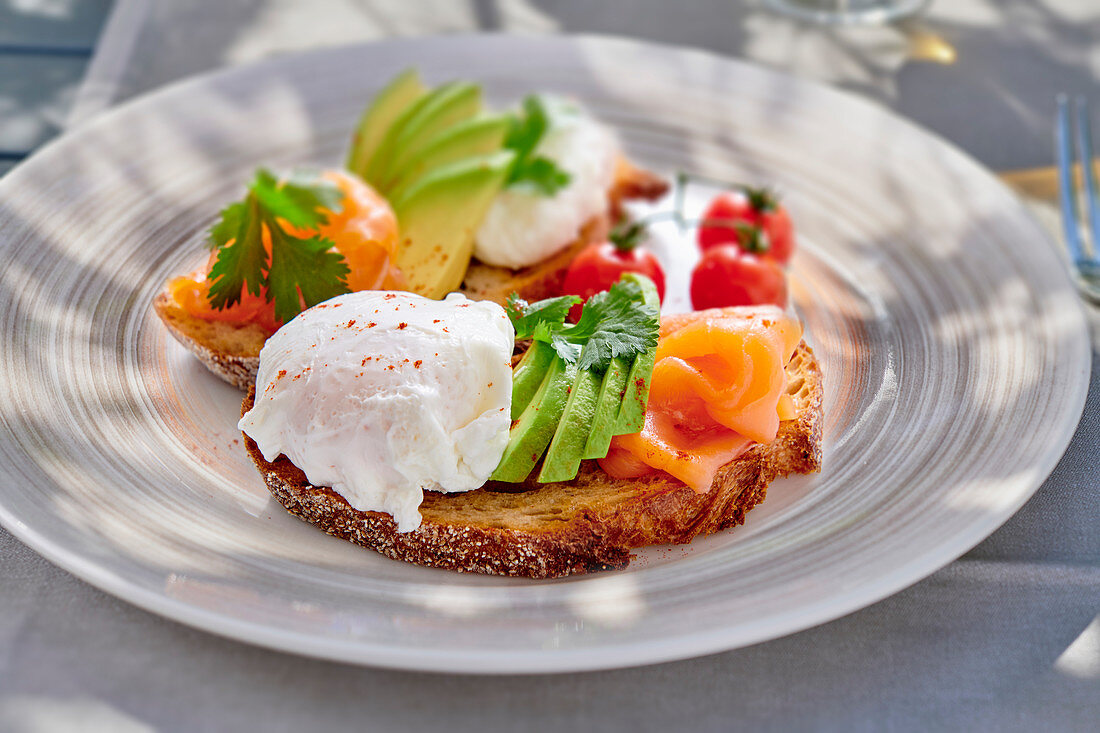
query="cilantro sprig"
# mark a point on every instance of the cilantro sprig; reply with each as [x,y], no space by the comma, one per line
[532,171]
[614,324]
[297,267]
[535,320]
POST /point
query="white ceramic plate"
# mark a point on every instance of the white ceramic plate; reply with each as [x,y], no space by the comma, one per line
[954,351]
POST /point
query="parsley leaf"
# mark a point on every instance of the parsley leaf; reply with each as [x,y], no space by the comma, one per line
[297,267]
[614,323]
[530,171]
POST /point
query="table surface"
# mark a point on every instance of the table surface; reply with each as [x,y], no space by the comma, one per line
[1005,638]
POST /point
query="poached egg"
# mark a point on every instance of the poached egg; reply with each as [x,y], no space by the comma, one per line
[382,395]
[524,226]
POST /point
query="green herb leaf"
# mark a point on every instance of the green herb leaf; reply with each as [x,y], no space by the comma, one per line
[530,171]
[528,127]
[227,226]
[298,268]
[614,323]
[541,317]
[304,199]
[540,175]
[240,264]
[308,266]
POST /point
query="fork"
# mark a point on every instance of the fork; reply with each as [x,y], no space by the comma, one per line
[1085,260]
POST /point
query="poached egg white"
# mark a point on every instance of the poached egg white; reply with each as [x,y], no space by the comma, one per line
[524,226]
[382,395]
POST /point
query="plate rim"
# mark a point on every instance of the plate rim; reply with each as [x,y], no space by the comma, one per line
[607,655]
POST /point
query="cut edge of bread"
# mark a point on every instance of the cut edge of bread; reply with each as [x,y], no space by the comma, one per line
[232,352]
[551,530]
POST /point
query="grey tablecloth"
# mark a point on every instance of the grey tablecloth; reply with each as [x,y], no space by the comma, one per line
[1006,638]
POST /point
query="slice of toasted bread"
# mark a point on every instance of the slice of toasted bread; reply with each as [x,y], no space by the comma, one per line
[230,351]
[590,523]
[541,280]
[233,352]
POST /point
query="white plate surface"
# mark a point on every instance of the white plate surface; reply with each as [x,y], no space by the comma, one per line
[954,349]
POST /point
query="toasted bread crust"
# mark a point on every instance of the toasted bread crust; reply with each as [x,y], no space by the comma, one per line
[230,351]
[542,280]
[233,352]
[550,530]
[632,184]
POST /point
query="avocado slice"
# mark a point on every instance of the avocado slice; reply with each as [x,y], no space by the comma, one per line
[536,426]
[436,111]
[379,116]
[439,216]
[632,412]
[608,404]
[528,375]
[563,458]
[592,412]
[476,136]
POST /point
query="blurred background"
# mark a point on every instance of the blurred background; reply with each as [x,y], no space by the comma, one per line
[982,73]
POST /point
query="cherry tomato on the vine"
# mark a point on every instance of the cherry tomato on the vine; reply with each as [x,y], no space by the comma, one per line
[727,276]
[739,213]
[600,265]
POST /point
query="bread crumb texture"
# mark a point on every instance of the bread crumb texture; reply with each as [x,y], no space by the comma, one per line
[588,524]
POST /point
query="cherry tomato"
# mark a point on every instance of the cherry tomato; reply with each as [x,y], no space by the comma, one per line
[727,276]
[600,265]
[753,207]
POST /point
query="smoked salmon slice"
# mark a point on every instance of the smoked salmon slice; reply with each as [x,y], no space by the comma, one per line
[717,387]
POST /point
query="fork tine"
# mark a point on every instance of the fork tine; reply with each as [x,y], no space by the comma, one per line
[1066,190]
[1084,148]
